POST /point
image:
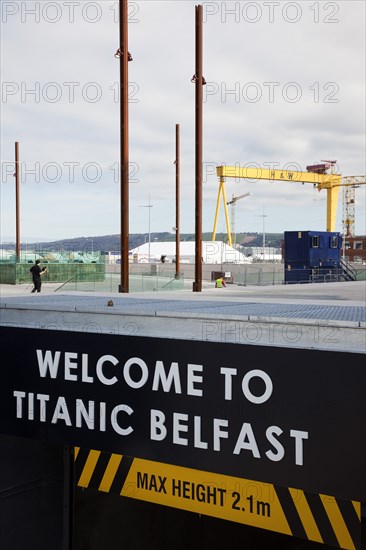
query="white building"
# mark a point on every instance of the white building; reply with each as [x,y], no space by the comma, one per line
[271,254]
[213,252]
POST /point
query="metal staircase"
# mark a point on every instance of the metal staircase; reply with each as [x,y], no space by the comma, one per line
[348,272]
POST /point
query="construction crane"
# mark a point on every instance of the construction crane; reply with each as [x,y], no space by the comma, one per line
[232,203]
[350,184]
[316,175]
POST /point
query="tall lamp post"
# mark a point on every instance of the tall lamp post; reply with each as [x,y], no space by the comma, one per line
[149,206]
[17,204]
[177,201]
[263,216]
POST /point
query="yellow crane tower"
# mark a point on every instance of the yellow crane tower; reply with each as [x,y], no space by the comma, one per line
[316,175]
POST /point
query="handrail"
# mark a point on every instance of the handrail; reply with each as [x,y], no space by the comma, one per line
[172,280]
[65,283]
[348,268]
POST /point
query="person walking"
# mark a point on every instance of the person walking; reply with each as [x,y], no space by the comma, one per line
[37,272]
[220,283]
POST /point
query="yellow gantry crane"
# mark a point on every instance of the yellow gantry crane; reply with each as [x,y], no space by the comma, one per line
[316,175]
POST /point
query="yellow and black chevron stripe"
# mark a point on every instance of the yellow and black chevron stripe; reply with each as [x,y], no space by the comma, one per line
[316,517]
[322,518]
[102,471]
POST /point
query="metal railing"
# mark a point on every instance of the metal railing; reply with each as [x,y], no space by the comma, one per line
[249,276]
[144,282]
[165,280]
[349,272]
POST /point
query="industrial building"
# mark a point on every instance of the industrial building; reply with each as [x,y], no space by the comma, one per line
[355,249]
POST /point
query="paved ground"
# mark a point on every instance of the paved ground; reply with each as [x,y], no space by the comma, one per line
[332,301]
[352,291]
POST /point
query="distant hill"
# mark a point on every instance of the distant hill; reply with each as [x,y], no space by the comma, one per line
[109,243]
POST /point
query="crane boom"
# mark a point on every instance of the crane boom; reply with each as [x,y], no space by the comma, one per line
[236,199]
[322,181]
[353,180]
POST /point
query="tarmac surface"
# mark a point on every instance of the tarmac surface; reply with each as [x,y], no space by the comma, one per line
[319,301]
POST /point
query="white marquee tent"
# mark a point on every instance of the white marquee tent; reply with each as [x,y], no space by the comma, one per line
[213,252]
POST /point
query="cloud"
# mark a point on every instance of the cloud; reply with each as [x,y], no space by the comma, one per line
[285,83]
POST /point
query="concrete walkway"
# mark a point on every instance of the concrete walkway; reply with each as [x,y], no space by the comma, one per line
[341,302]
[350,293]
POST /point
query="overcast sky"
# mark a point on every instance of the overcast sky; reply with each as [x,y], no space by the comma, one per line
[285,86]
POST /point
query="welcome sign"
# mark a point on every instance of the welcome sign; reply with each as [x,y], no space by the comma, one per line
[292,417]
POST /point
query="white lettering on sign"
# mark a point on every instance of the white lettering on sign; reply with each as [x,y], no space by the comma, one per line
[268,384]
[135,372]
[167,380]
[99,368]
[256,373]
[114,415]
[69,365]
[299,436]
[198,443]
[228,385]
[144,372]
[61,412]
[19,402]
[48,362]
[218,433]
[93,415]
[179,426]
[193,379]
[271,431]
[240,436]
[82,413]
[245,440]
[158,430]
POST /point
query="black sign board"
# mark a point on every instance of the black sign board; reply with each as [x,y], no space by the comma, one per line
[292,417]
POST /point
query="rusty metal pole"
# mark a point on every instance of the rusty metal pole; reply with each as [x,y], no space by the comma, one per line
[17,204]
[177,201]
[197,285]
[124,145]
